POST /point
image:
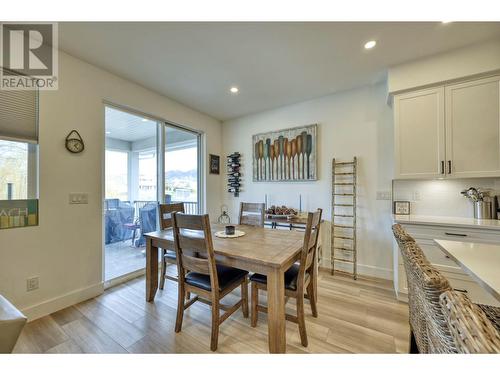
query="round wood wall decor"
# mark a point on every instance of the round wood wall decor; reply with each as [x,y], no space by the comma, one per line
[74,142]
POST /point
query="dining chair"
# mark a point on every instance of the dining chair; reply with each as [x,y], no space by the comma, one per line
[472,331]
[168,256]
[418,330]
[427,285]
[201,275]
[298,279]
[252,214]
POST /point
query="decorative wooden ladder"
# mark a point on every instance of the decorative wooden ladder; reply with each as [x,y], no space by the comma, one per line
[344,215]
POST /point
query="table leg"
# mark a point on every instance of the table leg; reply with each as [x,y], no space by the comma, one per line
[151,270]
[276,311]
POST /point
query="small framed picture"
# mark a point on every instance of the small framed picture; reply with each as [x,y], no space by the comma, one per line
[401,207]
[214,164]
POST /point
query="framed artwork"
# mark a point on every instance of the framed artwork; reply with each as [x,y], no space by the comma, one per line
[285,155]
[214,163]
[401,208]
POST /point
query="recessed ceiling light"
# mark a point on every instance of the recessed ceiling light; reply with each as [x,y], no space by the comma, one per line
[234,90]
[144,120]
[108,132]
[446,21]
[370,44]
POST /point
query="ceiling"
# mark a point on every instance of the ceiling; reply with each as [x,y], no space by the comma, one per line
[126,126]
[273,64]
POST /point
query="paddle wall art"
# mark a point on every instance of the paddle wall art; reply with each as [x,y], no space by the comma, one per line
[285,155]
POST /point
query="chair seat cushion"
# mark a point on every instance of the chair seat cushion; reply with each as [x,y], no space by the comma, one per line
[290,277]
[492,313]
[171,255]
[226,276]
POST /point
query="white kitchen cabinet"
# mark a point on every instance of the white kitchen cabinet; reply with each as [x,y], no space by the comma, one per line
[424,235]
[450,131]
[419,134]
[473,128]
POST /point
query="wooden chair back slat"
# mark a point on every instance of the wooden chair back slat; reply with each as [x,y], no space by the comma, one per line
[165,211]
[252,214]
[311,236]
[193,241]
[199,265]
[194,246]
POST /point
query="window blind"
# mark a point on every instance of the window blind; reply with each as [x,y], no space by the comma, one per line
[19,115]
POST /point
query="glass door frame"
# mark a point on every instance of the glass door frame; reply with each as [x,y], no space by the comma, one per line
[160,178]
[199,157]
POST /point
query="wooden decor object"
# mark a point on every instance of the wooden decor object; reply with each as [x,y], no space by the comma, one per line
[285,155]
[343,229]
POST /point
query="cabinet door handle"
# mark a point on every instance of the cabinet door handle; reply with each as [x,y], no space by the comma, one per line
[442,166]
[449,166]
[455,234]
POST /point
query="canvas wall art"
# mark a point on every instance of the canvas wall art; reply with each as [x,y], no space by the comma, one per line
[285,155]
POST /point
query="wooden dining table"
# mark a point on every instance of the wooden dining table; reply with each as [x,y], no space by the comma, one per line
[266,251]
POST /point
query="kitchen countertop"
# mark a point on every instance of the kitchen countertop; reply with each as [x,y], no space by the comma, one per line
[477,259]
[464,222]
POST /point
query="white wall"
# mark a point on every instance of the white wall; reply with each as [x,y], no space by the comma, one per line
[354,123]
[442,197]
[464,62]
[65,250]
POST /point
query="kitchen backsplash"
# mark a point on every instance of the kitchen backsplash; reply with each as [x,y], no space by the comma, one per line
[441,197]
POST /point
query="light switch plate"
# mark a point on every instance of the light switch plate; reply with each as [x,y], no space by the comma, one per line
[78,198]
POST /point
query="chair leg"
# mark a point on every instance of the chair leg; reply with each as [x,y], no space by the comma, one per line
[254,302]
[215,326]
[244,297]
[301,320]
[413,344]
[312,299]
[180,307]
[163,269]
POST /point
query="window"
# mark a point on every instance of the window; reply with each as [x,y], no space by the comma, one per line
[18,158]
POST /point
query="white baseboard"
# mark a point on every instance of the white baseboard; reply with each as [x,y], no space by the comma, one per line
[363,269]
[55,304]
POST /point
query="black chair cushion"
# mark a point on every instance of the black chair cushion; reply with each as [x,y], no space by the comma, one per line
[171,255]
[226,276]
[290,277]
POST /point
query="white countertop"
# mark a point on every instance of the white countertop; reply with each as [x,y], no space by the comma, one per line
[479,260]
[447,220]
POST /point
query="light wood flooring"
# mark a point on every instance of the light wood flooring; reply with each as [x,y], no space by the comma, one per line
[360,316]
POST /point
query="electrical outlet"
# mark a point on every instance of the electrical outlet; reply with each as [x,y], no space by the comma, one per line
[78,198]
[384,195]
[32,284]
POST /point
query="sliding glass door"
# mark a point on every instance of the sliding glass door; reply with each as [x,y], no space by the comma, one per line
[138,177]
[182,178]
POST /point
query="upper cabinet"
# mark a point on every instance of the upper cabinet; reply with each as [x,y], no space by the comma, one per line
[449,131]
[419,134]
[472,128]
